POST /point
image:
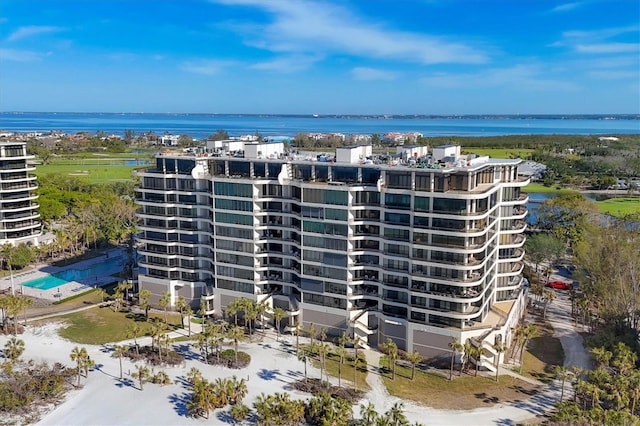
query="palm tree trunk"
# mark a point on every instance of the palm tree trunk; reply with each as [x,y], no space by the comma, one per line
[453,354]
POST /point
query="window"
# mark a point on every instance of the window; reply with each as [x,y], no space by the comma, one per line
[448,205]
[397,234]
[239,168]
[335,214]
[397,201]
[233,189]
[423,182]
[234,218]
[345,174]
[397,218]
[399,180]
[421,204]
[236,205]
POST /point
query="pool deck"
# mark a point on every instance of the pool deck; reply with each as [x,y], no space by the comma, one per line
[65,290]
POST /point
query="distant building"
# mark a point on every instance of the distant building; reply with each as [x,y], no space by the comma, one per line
[19,216]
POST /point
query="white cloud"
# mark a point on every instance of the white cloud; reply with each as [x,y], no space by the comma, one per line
[614,75]
[518,77]
[33,30]
[312,27]
[205,67]
[20,55]
[600,41]
[364,73]
[565,7]
[287,63]
[608,48]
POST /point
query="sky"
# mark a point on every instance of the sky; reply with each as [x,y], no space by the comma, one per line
[321,57]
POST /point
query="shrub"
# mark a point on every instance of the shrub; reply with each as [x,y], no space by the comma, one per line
[228,359]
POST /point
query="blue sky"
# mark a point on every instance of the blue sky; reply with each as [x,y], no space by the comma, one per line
[308,56]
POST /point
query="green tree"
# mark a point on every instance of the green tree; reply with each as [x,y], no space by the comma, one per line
[14,348]
[165,301]
[278,314]
[236,334]
[118,352]
[142,374]
[133,331]
[391,349]
[144,295]
[455,347]
[414,358]
[543,248]
[80,357]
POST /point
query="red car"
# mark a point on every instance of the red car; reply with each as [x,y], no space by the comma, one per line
[560,285]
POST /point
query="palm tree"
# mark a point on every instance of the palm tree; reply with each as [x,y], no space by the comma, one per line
[124,287]
[562,373]
[236,334]
[133,331]
[342,354]
[414,358]
[278,314]
[142,374]
[396,415]
[188,312]
[303,354]
[194,375]
[101,293]
[369,414]
[181,305]
[14,348]
[499,348]
[119,351]
[233,308]
[323,349]
[356,342]
[455,347]
[391,349]
[250,314]
[118,298]
[143,297]
[311,331]
[165,301]
[261,309]
[548,296]
[530,331]
[79,355]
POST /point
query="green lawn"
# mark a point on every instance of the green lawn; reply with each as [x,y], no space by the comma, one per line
[535,187]
[463,393]
[620,206]
[499,152]
[543,353]
[332,362]
[94,173]
[102,325]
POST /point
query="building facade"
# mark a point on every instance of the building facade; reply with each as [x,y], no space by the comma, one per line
[420,253]
[19,217]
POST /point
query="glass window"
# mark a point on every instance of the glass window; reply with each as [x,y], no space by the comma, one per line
[400,180]
[335,214]
[421,204]
[370,175]
[397,201]
[239,168]
[448,205]
[345,174]
[233,189]
[396,218]
[423,182]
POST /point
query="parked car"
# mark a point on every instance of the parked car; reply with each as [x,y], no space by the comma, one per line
[560,285]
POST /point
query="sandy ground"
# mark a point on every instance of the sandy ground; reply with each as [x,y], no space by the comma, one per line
[104,399]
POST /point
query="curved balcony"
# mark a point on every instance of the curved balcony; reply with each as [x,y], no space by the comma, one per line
[517,256]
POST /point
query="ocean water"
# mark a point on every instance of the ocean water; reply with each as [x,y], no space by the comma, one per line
[202,125]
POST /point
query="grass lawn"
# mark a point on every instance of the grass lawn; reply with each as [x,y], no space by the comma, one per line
[102,325]
[540,188]
[332,362]
[499,152]
[543,353]
[620,206]
[91,172]
[462,393]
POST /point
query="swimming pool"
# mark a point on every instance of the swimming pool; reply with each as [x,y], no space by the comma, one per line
[97,270]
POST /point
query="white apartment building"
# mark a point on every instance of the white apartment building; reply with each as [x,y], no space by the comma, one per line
[414,252]
[19,217]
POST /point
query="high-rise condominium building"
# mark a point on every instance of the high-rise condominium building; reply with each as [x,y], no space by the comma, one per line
[412,247]
[19,217]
